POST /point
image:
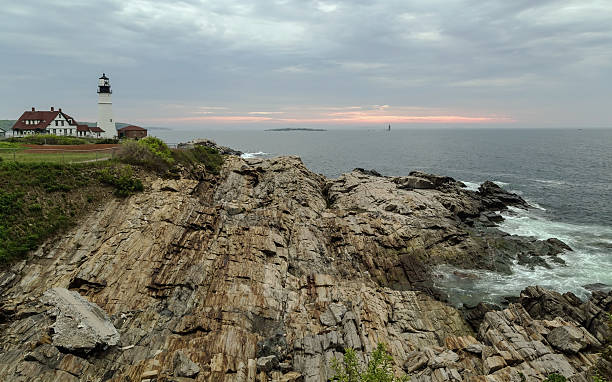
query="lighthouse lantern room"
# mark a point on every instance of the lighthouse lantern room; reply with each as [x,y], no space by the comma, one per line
[105,107]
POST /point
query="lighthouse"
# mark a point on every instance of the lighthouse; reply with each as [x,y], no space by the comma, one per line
[105,108]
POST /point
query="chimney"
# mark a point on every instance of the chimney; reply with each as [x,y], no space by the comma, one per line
[33,108]
[51,108]
[60,109]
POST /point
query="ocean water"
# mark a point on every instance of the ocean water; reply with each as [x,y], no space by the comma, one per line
[566,174]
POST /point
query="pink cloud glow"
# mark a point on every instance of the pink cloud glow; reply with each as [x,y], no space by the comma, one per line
[374,114]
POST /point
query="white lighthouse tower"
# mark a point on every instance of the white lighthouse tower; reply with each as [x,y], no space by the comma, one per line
[105,108]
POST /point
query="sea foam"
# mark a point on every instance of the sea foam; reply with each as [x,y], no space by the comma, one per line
[253,155]
[589,262]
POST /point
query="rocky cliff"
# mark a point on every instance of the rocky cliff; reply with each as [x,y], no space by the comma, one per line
[268,271]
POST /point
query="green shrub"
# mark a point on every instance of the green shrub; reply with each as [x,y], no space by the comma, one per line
[122,178]
[9,145]
[152,154]
[599,378]
[131,152]
[210,158]
[49,139]
[106,141]
[39,205]
[35,207]
[158,148]
[207,156]
[379,368]
[555,378]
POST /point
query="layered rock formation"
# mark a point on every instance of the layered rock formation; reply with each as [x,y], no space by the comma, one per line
[269,271]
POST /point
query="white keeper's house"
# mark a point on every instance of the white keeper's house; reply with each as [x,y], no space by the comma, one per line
[54,122]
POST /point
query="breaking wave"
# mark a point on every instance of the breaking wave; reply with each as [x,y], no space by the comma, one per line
[253,155]
[590,262]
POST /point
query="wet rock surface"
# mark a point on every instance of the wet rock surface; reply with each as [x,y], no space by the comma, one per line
[592,314]
[269,271]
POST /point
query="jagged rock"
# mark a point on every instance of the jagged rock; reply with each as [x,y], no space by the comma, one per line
[415,361]
[208,143]
[494,363]
[444,359]
[293,376]
[559,245]
[598,287]
[267,364]
[592,314]
[149,374]
[495,197]
[474,348]
[333,314]
[414,183]
[475,315]
[80,325]
[284,367]
[367,172]
[183,366]
[493,217]
[349,330]
[571,339]
[307,267]
[437,180]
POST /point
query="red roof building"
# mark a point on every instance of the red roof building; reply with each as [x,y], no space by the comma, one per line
[54,122]
[135,132]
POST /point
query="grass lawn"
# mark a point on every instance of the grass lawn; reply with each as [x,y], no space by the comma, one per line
[19,155]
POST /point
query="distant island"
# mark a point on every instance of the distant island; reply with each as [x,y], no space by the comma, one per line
[295,129]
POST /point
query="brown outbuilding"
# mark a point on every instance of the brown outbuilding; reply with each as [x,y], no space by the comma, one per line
[134,132]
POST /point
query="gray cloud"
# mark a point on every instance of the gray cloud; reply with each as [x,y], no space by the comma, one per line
[545,62]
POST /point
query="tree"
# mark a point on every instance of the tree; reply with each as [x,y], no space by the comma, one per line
[379,368]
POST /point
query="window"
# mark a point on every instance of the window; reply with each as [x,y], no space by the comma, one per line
[62,123]
[111,120]
[56,123]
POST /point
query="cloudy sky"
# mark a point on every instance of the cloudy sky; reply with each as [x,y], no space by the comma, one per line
[198,63]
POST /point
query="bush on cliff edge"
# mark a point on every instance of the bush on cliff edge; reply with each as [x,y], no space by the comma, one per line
[153,154]
[122,179]
[150,153]
[379,368]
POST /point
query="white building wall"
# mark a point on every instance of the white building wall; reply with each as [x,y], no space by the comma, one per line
[105,115]
[61,126]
